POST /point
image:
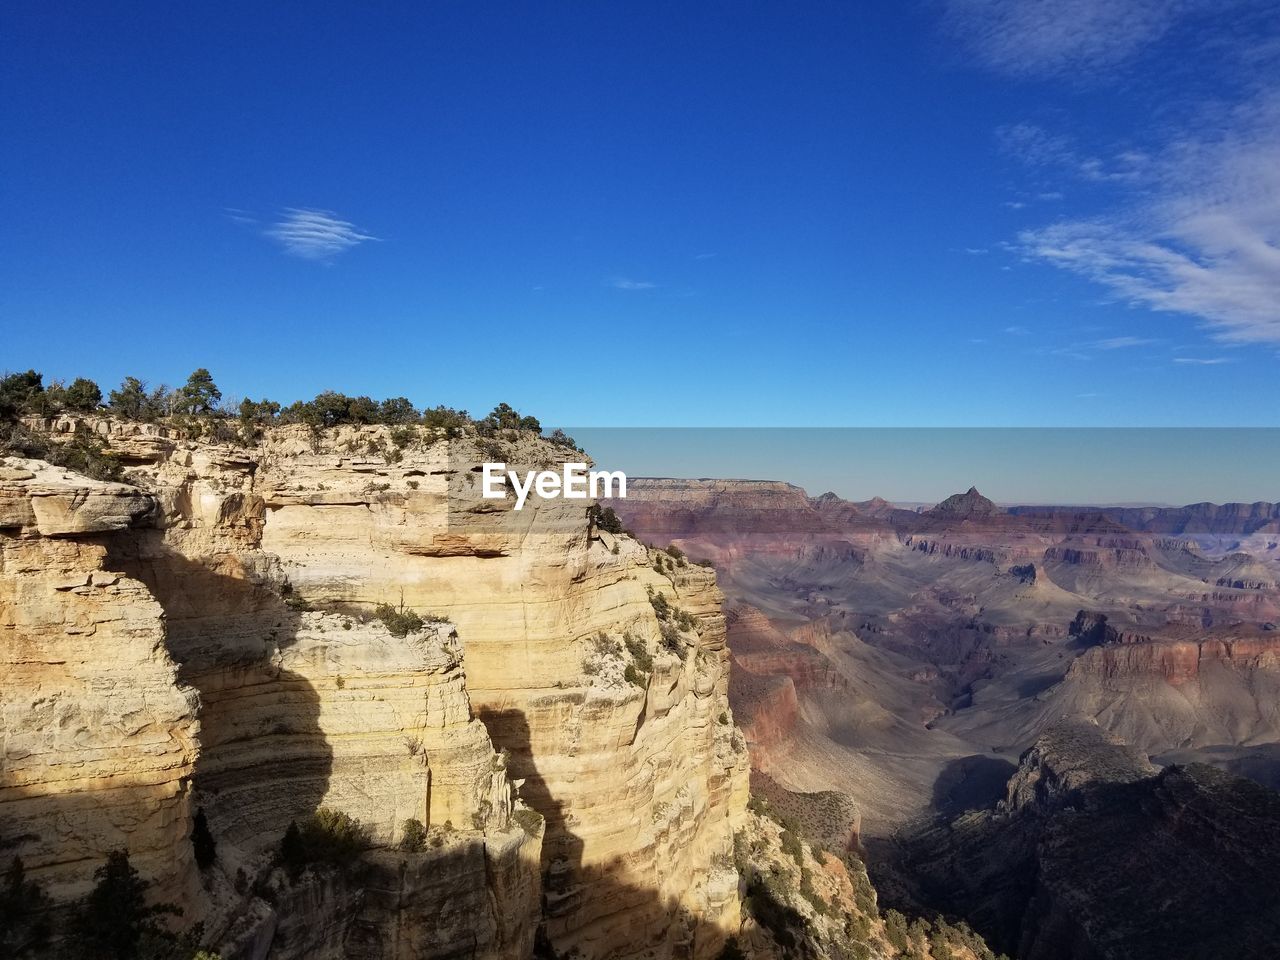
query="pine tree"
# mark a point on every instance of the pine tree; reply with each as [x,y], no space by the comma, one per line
[200,394]
[115,917]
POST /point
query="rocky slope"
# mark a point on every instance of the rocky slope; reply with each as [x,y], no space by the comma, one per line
[559,668]
[1094,854]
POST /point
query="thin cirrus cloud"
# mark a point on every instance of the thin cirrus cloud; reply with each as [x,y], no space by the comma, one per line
[1036,147]
[1120,343]
[314,234]
[623,283]
[1189,223]
[1060,37]
[1200,238]
[1202,361]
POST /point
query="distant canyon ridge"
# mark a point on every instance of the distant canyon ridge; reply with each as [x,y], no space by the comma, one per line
[995,692]
[907,657]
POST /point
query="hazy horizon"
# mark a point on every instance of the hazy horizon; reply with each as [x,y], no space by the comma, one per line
[1013,466]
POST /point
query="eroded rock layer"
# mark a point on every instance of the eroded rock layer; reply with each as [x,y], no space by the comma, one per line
[99,738]
[555,713]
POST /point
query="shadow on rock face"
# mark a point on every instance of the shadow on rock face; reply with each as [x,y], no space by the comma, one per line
[264,759]
[586,905]
[971,783]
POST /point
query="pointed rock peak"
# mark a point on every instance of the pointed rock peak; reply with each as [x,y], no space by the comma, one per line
[968,504]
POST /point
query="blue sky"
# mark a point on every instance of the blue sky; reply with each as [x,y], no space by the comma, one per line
[953,212]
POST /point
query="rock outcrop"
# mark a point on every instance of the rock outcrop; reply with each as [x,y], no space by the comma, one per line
[1096,855]
[100,739]
[557,714]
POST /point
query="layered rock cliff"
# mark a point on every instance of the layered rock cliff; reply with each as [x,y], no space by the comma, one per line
[100,739]
[556,670]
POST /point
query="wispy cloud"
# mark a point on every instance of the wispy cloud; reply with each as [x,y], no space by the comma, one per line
[1202,236]
[236,215]
[1119,343]
[1016,331]
[623,283]
[1052,37]
[1202,361]
[315,234]
[704,256]
[1193,222]
[1034,146]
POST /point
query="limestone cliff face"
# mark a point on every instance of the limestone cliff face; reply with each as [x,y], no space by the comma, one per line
[99,739]
[637,782]
[543,672]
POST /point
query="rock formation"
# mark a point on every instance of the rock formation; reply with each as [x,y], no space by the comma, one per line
[946,640]
[1096,855]
[100,739]
[558,719]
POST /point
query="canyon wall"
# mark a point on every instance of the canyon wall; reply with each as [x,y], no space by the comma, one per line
[99,738]
[562,732]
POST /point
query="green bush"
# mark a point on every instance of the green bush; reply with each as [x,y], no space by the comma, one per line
[562,439]
[399,622]
[820,906]
[447,419]
[791,845]
[115,921]
[413,836]
[895,930]
[82,454]
[403,436]
[397,410]
[632,675]
[505,417]
[605,519]
[83,396]
[21,393]
[671,639]
[639,652]
[661,606]
[199,395]
[327,836]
